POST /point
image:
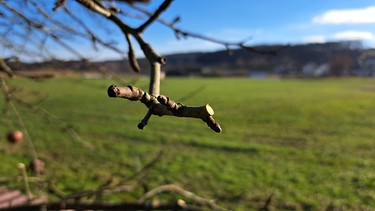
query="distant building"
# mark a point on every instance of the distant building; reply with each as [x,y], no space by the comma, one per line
[258,74]
[315,70]
[367,63]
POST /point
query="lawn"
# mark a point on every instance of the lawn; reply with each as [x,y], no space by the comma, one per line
[303,144]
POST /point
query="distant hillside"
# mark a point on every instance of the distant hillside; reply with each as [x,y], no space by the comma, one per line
[339,58]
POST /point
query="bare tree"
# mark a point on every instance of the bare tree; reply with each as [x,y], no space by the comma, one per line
[28,27]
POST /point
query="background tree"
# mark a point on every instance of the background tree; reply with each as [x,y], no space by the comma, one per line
[38,30]
[30,28]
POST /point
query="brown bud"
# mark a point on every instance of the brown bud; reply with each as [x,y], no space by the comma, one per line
[166,101]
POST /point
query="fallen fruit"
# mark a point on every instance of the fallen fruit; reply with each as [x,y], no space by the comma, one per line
[15,136]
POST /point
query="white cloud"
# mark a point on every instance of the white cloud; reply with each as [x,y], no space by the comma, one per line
[315,39]
[343,35]
[354,35]
[349,16]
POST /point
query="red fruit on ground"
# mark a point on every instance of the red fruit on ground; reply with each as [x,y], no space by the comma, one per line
[15,136]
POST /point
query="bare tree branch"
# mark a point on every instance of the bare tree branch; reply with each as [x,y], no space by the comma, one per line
[164,106]
[131,55]
[39,26]
[5,68]
[155,15]
[8,99]
[96,6]
[155,106]
[63,126]
[90,34]
[183,192]
[180,32]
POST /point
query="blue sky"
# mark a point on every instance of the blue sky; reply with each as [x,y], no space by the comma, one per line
[258,21]
[274,21]
[264,22]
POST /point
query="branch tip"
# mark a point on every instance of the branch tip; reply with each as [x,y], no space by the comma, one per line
[213,124]
[162,105]
[112,91]
[141,126]
[162,60]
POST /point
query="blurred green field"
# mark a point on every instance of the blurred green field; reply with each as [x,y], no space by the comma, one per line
[310,144]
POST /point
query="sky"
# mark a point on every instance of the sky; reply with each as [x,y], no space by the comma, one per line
[264,22]
[256,21]
[272,21]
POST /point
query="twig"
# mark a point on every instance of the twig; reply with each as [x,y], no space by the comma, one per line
[40,27]
[157,104]
[131,55]
[144,121]
[8,99]
[183,192]
[22,168]
[69,130]
[267,203]
[90,34]
[179,110]
[165,106]
[120,186]
[4,67]
[96,6]
[154,16]
[178,31]
[145,168]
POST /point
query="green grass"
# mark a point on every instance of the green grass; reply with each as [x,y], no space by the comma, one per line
[308,143]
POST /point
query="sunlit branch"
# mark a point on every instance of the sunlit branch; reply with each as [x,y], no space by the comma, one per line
[162,105]
[157,104]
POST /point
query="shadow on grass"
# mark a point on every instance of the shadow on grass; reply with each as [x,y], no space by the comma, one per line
[227,148]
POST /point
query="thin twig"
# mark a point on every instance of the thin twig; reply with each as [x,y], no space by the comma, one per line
[40,27]
[178,31]
[91,35]
[162,105]
[154,16]
[176,189]
[69,130]
[120,186]
[131,55]
[8,98]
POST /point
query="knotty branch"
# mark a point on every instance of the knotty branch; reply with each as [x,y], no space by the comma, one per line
[162,105]
[158,104]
